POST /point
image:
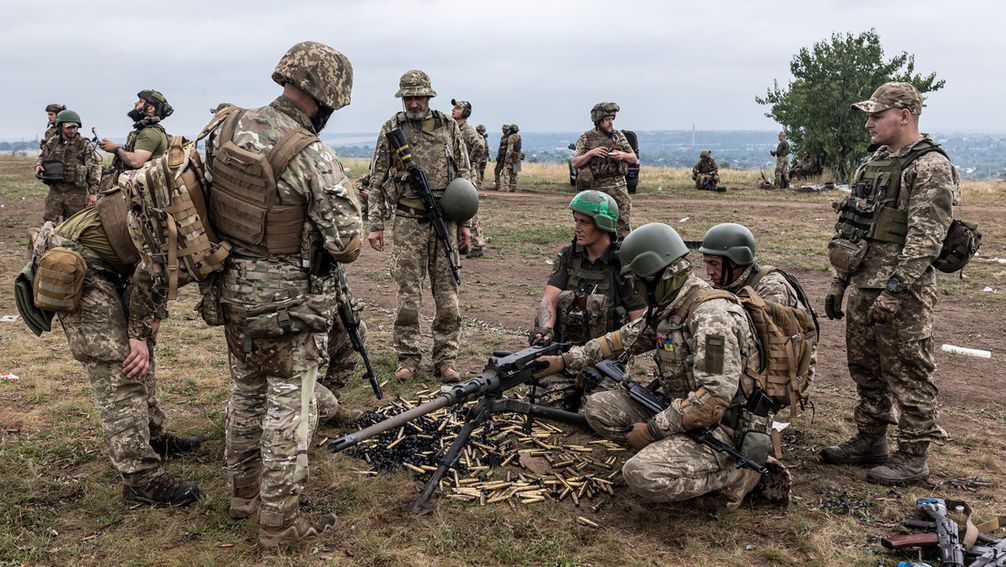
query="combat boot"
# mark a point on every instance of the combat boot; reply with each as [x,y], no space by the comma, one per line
[244,496]
[303,526]
[860,449]
[405,373]
[448,375]
[164,490]
[902,468]
[171,445]
[342,416]
[476,252]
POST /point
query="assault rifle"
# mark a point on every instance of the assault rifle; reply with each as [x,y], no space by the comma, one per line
[396,138]
[657,403]
[504,371]
[951,549]
[322,266]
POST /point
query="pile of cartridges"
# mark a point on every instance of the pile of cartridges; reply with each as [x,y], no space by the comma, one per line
[502,462]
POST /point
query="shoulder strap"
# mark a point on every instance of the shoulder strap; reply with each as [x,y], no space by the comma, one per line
[288,148]
[761,273]
[230,125]
[697,297]
[218,119]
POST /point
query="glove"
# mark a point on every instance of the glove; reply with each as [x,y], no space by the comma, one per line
[539,336]
[772,153]
[641,434]
[547,366]
[833,301]
[884,308]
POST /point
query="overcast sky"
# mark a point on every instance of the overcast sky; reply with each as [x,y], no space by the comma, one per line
[541,64]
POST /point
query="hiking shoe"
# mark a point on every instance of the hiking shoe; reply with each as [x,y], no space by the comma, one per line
[902,468]
[164,490]
[448,375]
[476,253]
[405,373]
[304,526]
[860,449]
[171,445]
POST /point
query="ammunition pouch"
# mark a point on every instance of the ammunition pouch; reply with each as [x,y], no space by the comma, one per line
[311,314]
[751,436]
[846,255]
[210,306]
[59,281]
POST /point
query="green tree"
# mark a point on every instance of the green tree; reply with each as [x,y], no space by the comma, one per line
[828,77]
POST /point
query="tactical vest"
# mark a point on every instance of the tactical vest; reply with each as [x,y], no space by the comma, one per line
[590,305]
[606,168]
[871,210]
[429,149]
[117,164]
[63,164]
[245,203]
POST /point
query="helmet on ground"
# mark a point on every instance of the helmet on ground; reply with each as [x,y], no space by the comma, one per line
[66,116]
[55,107]
[732,240]
[651,248]
[601,110]
[318,70]
[460,201]
[599,206]
[415,83]
[160,103]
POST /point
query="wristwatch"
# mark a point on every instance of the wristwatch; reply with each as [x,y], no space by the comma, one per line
[894,285]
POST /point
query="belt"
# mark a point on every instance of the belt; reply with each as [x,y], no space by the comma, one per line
[405,211]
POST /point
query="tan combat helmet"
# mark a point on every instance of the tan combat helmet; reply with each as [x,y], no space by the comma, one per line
[415,83]
[55,107]
[601,110]
[318,70]
[704,154]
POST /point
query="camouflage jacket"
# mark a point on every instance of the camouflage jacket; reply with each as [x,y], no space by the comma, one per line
[706,165]
[50,131]
[709,350]
[474,143]
[501,152]
[438,148]
[81,163]
[513,151]
[606,172]
[782,150]
[773,286]
[930,187]
[315,176]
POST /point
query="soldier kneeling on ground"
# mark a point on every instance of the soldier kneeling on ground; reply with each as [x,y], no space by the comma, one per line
[706,173]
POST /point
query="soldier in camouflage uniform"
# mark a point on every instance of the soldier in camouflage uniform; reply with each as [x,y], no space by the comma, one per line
[731,263]
[439,149]
[586,295]
[781,153]
[113,337]
[276,314]
[51,110]
[501,156]
[78,165]
[705,172]
[603,155]
[477,151]
[701,352]
[513,155]
[146,141]
[889,232]
[481,169]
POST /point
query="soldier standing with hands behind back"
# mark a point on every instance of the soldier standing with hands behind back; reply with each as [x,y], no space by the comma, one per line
[890,230]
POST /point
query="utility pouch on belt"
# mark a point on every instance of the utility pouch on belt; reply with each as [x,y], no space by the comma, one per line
[209,306]
[308,314]
[752,438]
[845,255]
[59,281]
[961,243]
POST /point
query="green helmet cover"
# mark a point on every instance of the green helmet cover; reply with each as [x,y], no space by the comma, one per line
[599,206]
[732,240]
[651,248]
[68,116]
[460,201]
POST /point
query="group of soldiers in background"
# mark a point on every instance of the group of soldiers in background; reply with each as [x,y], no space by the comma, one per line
[614,292]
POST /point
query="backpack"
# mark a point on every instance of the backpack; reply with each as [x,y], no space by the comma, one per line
[786,336]
[166,213]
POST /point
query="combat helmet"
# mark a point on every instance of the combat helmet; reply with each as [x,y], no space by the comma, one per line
[599,206]
[704,154]
[318,70]
[460,201]
[65,116]
[160,103]
[481,129]
[415,83]
[55,107]
[601,110]
[732,240]
[651,248]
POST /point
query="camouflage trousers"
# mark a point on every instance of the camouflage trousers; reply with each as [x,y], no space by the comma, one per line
[620,193]
[561,391]
[781,172]
[894,363]
[481,174]
[127,407]
[60,203]
[417,254]
[706,181]
[271,416]
[507,179]
[669,470]
[478,237]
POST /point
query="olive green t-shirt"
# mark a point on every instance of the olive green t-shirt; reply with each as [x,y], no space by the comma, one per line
[84,228]
[152,140]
